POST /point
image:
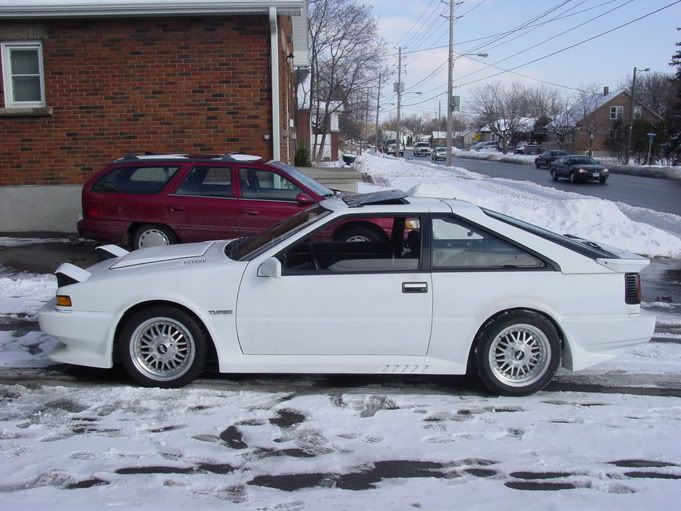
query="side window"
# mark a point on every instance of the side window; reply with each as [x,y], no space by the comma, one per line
[397,250]
[23,75]
[457,246]
[266,185]
[135,179]
[207,182]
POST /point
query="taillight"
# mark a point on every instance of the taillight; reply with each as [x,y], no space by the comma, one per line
[632,288]
[93,212]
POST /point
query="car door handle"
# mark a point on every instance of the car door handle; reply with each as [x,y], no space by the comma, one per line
[176,209]
[414,287]
[251,212]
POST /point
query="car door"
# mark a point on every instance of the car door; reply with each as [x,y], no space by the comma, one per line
[339,298]
[562,165]
[203,206]
[266,198]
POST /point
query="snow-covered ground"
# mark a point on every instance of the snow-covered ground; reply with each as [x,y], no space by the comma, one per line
[315,443]
[636,229]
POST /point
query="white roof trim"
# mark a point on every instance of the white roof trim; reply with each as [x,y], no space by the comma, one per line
[41,9]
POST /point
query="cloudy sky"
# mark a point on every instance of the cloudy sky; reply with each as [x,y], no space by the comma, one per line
[533,29]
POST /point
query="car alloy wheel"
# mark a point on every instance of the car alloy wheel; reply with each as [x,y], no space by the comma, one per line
[517,353]
[162,347]
[573,178]
[554,175]
[153,236]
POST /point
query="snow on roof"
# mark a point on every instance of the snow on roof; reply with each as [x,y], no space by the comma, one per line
[439,134]
[18,9]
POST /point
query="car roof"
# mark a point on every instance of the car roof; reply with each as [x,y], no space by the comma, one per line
[410,204]
[229,157]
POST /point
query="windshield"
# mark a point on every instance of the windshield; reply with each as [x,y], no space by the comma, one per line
[247,248]
[310,183]
[579,245]
[583,160]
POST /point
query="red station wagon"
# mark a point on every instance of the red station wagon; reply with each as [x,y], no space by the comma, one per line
[151,200]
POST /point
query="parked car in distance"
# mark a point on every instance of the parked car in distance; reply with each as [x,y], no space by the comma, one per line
[455,288]
[150,200]
[422,149]
[547,157]
[392,149]
[480,146]
[525,148]
[579,169]
[439,153]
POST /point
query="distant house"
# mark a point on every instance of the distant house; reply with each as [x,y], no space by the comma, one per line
[606,110]
[518,130]
[85,82]
[311,130]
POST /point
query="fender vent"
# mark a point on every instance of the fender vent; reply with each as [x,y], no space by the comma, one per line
[64,280]
[632,288]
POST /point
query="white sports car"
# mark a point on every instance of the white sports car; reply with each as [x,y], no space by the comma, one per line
[451,287]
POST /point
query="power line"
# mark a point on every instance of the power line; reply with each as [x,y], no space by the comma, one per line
[509,31]
[427,33]
[549,39]
[417,21]
[579,43]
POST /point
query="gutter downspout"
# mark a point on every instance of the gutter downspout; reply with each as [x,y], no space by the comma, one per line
[274,52]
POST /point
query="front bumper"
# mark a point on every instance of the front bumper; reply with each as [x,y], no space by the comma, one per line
[85,338]
[593,340]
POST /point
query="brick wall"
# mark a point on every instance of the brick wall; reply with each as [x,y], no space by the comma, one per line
[159,85]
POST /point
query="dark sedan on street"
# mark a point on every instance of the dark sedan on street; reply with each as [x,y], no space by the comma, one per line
[578,169]
[546,158]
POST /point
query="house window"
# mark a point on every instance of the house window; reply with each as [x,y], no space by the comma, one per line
[637,112]
[616,112]
[22,73]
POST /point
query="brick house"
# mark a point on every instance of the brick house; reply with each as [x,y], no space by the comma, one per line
[607,109]
[83,83]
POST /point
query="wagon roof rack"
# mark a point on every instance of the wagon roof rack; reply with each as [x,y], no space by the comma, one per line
[230,157]
[376,198]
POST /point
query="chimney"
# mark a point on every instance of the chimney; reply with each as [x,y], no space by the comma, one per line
[606,91]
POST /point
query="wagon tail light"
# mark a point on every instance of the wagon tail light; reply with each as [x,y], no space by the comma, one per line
[632,288]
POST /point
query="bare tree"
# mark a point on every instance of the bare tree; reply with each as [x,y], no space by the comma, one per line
[500,108]
[654,89]
[346,58]
[586,102]
[563,126]
[541,101]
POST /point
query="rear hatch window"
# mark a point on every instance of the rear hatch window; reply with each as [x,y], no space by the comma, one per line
[150,179]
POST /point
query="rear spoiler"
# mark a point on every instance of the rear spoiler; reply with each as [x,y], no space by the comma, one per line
[110,252]
[627,265]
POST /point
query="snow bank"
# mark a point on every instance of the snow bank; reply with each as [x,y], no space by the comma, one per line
[491,155]
[600,220]
[25,293]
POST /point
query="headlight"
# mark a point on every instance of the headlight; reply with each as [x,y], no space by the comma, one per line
[581,171]
[604,170]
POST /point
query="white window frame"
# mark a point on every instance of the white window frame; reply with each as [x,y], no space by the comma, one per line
[618,110]
[637,112]
[5,50]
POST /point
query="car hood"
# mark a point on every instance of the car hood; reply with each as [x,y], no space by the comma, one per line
[162,254]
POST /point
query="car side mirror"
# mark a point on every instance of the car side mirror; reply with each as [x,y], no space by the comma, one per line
[304,199]
[270,268]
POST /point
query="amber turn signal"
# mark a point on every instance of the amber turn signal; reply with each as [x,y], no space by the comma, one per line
[63,301]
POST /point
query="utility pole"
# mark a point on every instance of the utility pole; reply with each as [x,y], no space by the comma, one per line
[365,127]
[378,108]
[439,113]
[450,79]
[398,89]
[631,114]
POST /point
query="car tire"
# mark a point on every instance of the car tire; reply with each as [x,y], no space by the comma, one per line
[554,175]
[537,166]
[357,233]
[162,347]
[517,353]
[603,180]
[153,235]
[573,178]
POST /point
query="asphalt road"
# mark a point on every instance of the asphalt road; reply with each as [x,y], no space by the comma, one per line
[657,194]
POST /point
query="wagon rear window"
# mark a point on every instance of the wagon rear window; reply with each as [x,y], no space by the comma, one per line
[135,179]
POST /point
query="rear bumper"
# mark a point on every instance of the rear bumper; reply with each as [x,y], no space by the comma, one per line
[591,341]
[84,337]
[115,231]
